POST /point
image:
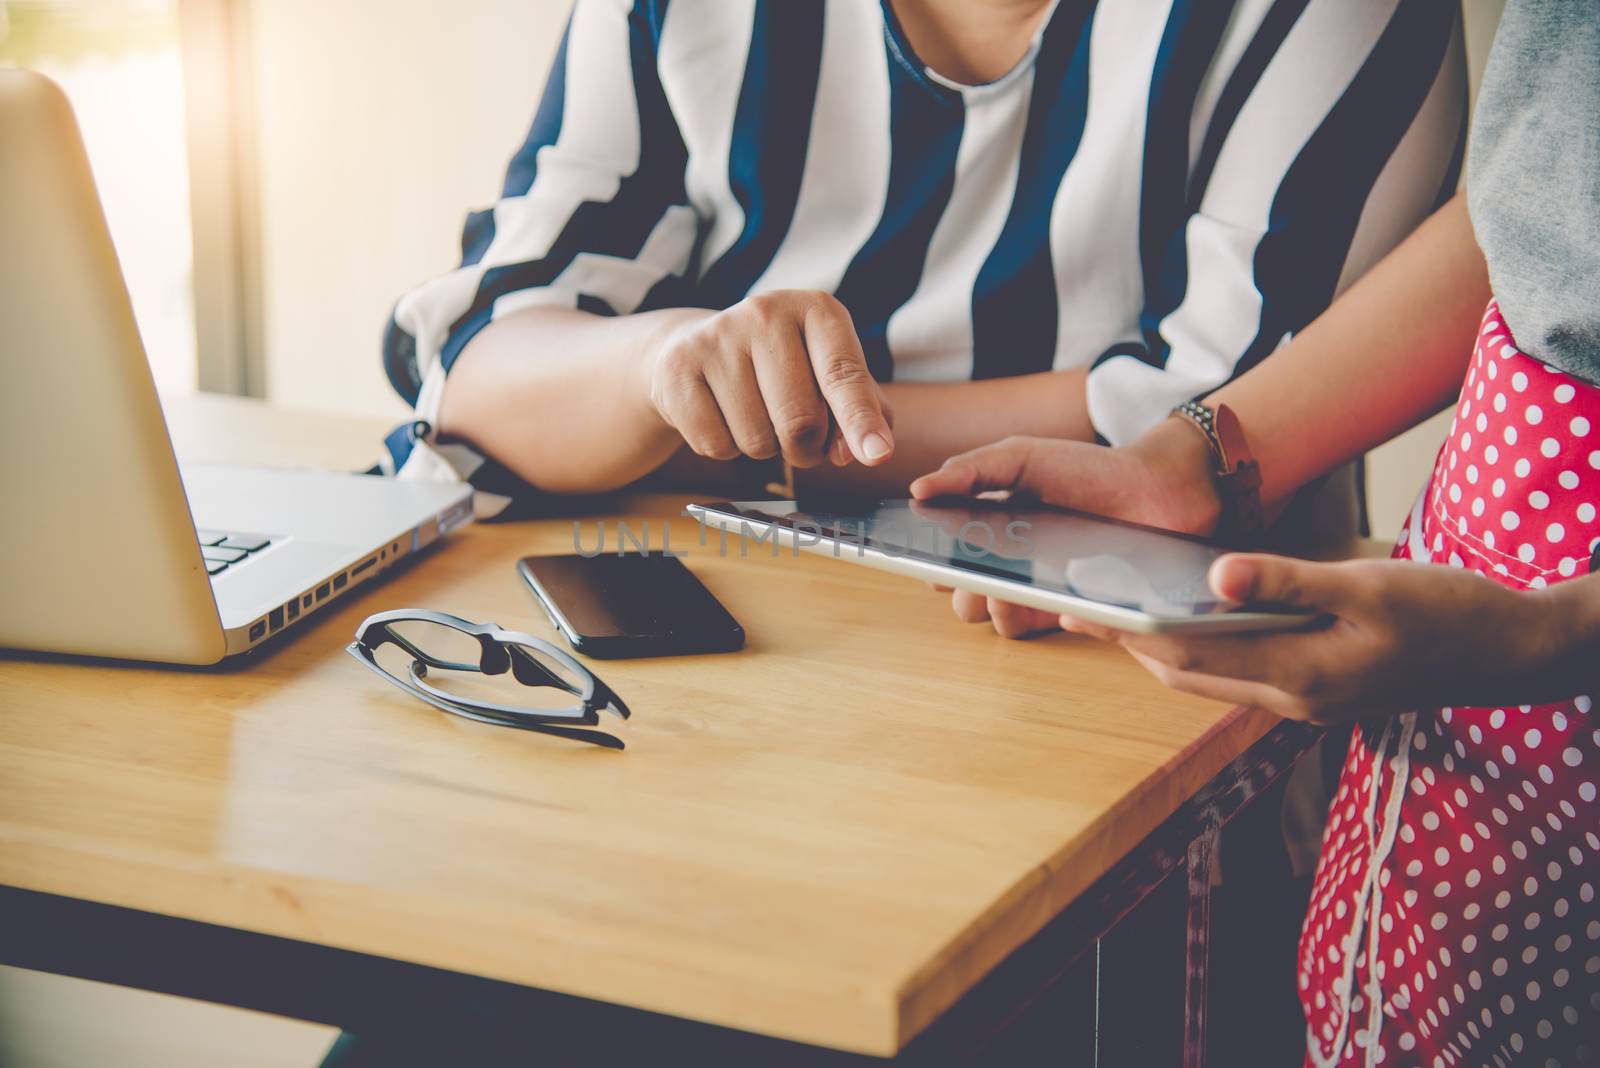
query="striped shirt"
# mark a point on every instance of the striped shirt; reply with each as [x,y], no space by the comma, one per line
[1161,191]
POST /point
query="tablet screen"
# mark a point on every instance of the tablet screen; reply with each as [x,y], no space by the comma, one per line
[1151,571]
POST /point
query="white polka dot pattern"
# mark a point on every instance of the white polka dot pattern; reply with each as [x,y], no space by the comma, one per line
[1453,918]
[1541,489]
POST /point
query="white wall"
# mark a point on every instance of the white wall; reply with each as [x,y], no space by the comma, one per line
[1396,471]
[383,121]
[120,67]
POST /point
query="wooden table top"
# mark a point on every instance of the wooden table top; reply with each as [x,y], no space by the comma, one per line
[829,836]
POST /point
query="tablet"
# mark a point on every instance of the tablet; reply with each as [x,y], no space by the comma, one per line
[1105,571]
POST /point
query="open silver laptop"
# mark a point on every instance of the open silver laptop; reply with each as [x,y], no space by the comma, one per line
[105,549]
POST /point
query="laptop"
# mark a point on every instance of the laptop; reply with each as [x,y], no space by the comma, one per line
[107,548]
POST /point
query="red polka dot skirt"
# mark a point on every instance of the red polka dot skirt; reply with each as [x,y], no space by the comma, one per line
[1453,918]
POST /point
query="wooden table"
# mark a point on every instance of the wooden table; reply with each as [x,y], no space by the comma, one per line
[828,839]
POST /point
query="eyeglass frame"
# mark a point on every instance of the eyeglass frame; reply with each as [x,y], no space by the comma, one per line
[500,651]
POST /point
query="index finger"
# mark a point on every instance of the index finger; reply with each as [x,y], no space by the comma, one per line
[838,449]
[847,383]
[1229,690]
[1274,658]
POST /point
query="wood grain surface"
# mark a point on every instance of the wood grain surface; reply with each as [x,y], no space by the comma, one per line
[829,836]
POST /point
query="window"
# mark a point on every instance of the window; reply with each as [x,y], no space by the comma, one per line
[119,63]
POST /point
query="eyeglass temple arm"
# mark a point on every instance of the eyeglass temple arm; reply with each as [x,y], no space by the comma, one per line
[579,734]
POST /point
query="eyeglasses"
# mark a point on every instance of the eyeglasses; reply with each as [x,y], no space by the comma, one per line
[454,665]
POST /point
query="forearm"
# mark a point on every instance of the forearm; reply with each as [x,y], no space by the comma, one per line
[1388,353]
[562,397]
[1565,654]
[936,420]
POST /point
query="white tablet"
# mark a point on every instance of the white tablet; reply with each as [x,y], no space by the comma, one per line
[1104,571]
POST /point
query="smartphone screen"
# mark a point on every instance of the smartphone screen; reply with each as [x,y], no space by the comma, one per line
[630,604]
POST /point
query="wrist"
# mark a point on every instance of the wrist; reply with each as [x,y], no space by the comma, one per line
[1183,466]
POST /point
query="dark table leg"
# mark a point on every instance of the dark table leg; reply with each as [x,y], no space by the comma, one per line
[1197,946]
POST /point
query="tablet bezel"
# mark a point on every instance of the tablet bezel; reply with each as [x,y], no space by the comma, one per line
[731,516]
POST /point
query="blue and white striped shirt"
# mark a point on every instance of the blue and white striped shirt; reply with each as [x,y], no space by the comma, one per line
[1160,190]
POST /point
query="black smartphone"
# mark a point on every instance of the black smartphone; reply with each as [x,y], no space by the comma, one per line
[615,605]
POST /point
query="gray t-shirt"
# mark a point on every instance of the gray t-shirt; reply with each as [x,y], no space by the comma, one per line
[1533,179]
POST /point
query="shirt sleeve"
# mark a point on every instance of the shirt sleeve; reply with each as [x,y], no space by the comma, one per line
[593,215]
[1325,148]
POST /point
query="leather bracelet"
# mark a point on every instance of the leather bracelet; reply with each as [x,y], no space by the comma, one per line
[1235,473]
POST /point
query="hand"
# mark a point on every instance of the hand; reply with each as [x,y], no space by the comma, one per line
[1162,480]
[1396,636]
[1010,620]
[778,372]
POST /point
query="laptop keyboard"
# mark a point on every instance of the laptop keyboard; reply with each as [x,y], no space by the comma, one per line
[223,549]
